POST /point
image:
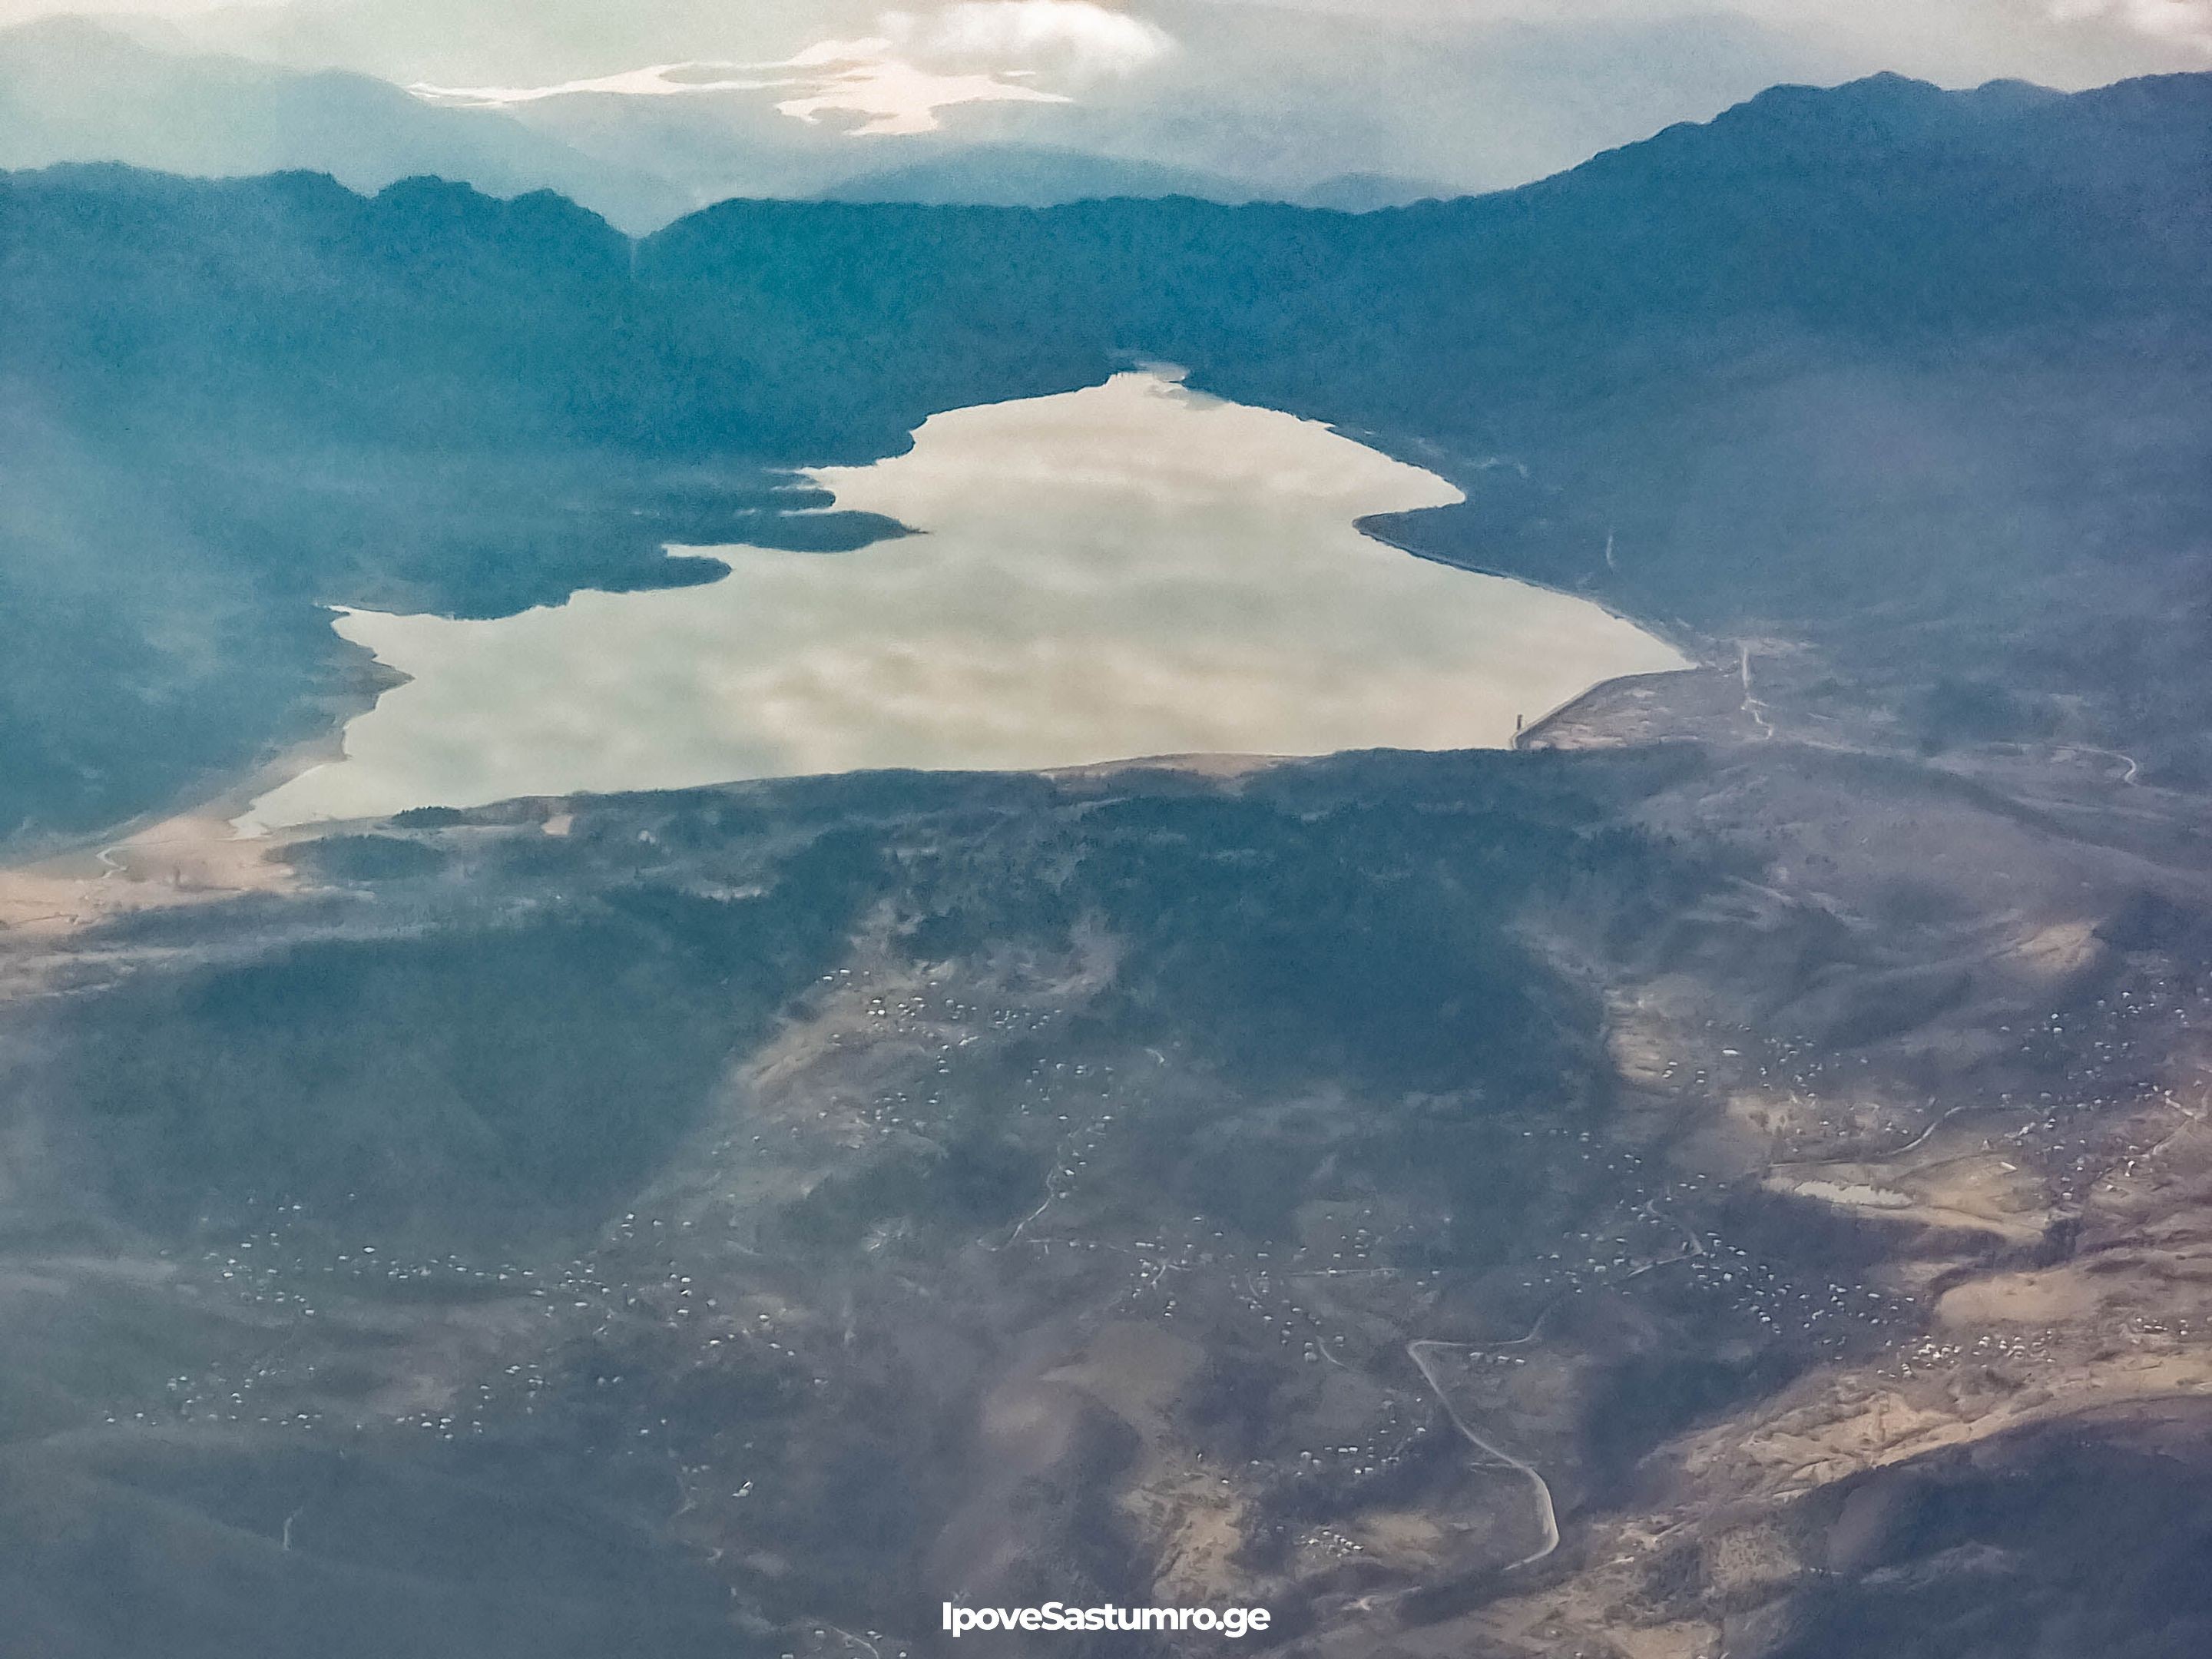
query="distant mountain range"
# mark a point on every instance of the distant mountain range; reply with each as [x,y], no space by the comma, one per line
[72,91]
[1390,109]
[1016,175]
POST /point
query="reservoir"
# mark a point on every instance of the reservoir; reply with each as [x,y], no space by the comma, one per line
[1131,570]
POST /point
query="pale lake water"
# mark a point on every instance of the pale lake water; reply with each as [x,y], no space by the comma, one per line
[1127,571]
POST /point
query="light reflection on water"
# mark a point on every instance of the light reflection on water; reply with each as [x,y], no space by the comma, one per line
[1126,571]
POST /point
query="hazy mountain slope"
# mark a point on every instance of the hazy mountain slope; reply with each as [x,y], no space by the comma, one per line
[1471,101]
[1014,175]
[722,1216]
[1023,175]
[72,91]
[642,996]
[1365,192]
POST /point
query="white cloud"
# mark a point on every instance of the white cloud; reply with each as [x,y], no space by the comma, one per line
[2186,23]
[654,81]
[865,78]
[1031,33]
[898,98]
[973,52]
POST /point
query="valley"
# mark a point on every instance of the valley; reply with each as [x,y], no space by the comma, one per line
[1717,1170]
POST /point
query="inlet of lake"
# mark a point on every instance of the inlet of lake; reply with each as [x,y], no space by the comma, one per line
[1127,571]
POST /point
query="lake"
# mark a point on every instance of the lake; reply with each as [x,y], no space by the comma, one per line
[1131,570]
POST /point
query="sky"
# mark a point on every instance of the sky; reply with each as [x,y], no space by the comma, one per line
[1959,41]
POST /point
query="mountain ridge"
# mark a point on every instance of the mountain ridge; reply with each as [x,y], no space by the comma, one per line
[72,90]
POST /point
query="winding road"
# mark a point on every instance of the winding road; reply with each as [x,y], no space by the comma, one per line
[1547,1518]
[1752,706]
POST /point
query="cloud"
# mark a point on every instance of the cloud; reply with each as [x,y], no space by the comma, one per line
[865,78]
[1031,33]
[976,52]
[654,81]
[899,98]
[2185,22]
